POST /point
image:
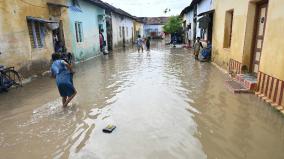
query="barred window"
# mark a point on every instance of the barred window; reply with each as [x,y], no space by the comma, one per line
[37,34]
[79,32]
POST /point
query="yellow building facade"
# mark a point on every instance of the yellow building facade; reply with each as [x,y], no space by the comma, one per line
[27,33]
[247,35]
[138,28]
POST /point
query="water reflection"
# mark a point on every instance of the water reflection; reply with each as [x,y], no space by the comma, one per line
[163,102]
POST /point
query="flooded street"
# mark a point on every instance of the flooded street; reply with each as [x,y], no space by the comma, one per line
[164,103]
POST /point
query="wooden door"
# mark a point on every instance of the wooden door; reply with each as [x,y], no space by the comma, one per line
[259,36]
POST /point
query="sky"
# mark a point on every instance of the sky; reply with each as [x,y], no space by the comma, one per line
[150,8]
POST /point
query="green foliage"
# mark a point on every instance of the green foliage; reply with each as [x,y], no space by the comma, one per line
[174,25]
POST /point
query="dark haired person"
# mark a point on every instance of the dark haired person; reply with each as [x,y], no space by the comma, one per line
[148,43]
[62,71]
[139,43]
[197,46]
[102,40]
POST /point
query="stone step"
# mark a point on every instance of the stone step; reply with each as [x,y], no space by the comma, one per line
[247,80]
[236,87]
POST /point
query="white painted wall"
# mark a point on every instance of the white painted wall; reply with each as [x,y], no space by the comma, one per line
[120,21]
[188,17]
[142,30]
[203,6]
[153,28]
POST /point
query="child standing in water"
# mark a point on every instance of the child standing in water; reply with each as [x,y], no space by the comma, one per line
[148,43]
[62,71]
[196,47]
[139,43]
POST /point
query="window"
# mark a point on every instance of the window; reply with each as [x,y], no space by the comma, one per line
[120,31]
[126,31]
[37,33]
[79,32]
[228,28]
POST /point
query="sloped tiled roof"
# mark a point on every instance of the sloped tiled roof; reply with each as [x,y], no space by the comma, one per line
[107,6]
[190,7]
[154,20]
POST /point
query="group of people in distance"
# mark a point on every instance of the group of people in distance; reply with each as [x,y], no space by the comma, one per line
[141,41]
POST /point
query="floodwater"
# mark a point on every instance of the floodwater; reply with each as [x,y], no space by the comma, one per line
[165,105]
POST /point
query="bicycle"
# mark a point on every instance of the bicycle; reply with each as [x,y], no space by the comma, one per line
[9,78]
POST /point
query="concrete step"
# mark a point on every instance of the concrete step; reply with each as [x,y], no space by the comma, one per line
[236,87]
[248,81]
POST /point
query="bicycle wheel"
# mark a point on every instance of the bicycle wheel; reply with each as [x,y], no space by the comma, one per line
[14,76]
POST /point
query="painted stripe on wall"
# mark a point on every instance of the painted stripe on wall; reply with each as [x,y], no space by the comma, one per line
[235,66]
[270,89]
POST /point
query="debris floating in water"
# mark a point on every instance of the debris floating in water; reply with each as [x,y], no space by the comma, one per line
[109,129]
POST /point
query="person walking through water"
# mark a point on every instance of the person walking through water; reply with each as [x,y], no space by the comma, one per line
[197,45]
[62,71]
[148,43]
[139,43]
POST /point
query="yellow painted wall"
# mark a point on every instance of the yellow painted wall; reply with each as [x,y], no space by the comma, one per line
[221,55]
[272,58]
[138,27]
[14,37]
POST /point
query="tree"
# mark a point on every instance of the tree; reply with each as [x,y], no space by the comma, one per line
[174,25]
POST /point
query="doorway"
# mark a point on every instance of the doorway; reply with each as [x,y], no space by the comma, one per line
[109,34]
[260,24]
[58,39]
[210,28]
[123,36]
[109,31]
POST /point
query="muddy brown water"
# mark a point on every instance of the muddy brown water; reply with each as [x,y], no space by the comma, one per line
[164,104]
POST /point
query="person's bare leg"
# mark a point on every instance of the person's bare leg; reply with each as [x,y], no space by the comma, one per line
[69,99]
[64,100]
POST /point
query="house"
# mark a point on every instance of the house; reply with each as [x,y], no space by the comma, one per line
[138,27]
[187,16]
[121,26]
[87,18]
[247,36]
[153,26]
[198,21]
[27,32]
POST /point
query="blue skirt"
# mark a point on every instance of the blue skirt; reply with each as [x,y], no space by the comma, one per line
[64,82]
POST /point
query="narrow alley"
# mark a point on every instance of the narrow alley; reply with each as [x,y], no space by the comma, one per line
[164,104]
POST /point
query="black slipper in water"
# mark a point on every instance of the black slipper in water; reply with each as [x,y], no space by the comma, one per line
[109,129]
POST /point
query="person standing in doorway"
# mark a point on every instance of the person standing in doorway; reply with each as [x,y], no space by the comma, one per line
[102,40]
[197,46]
[62,72]
[139,43]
